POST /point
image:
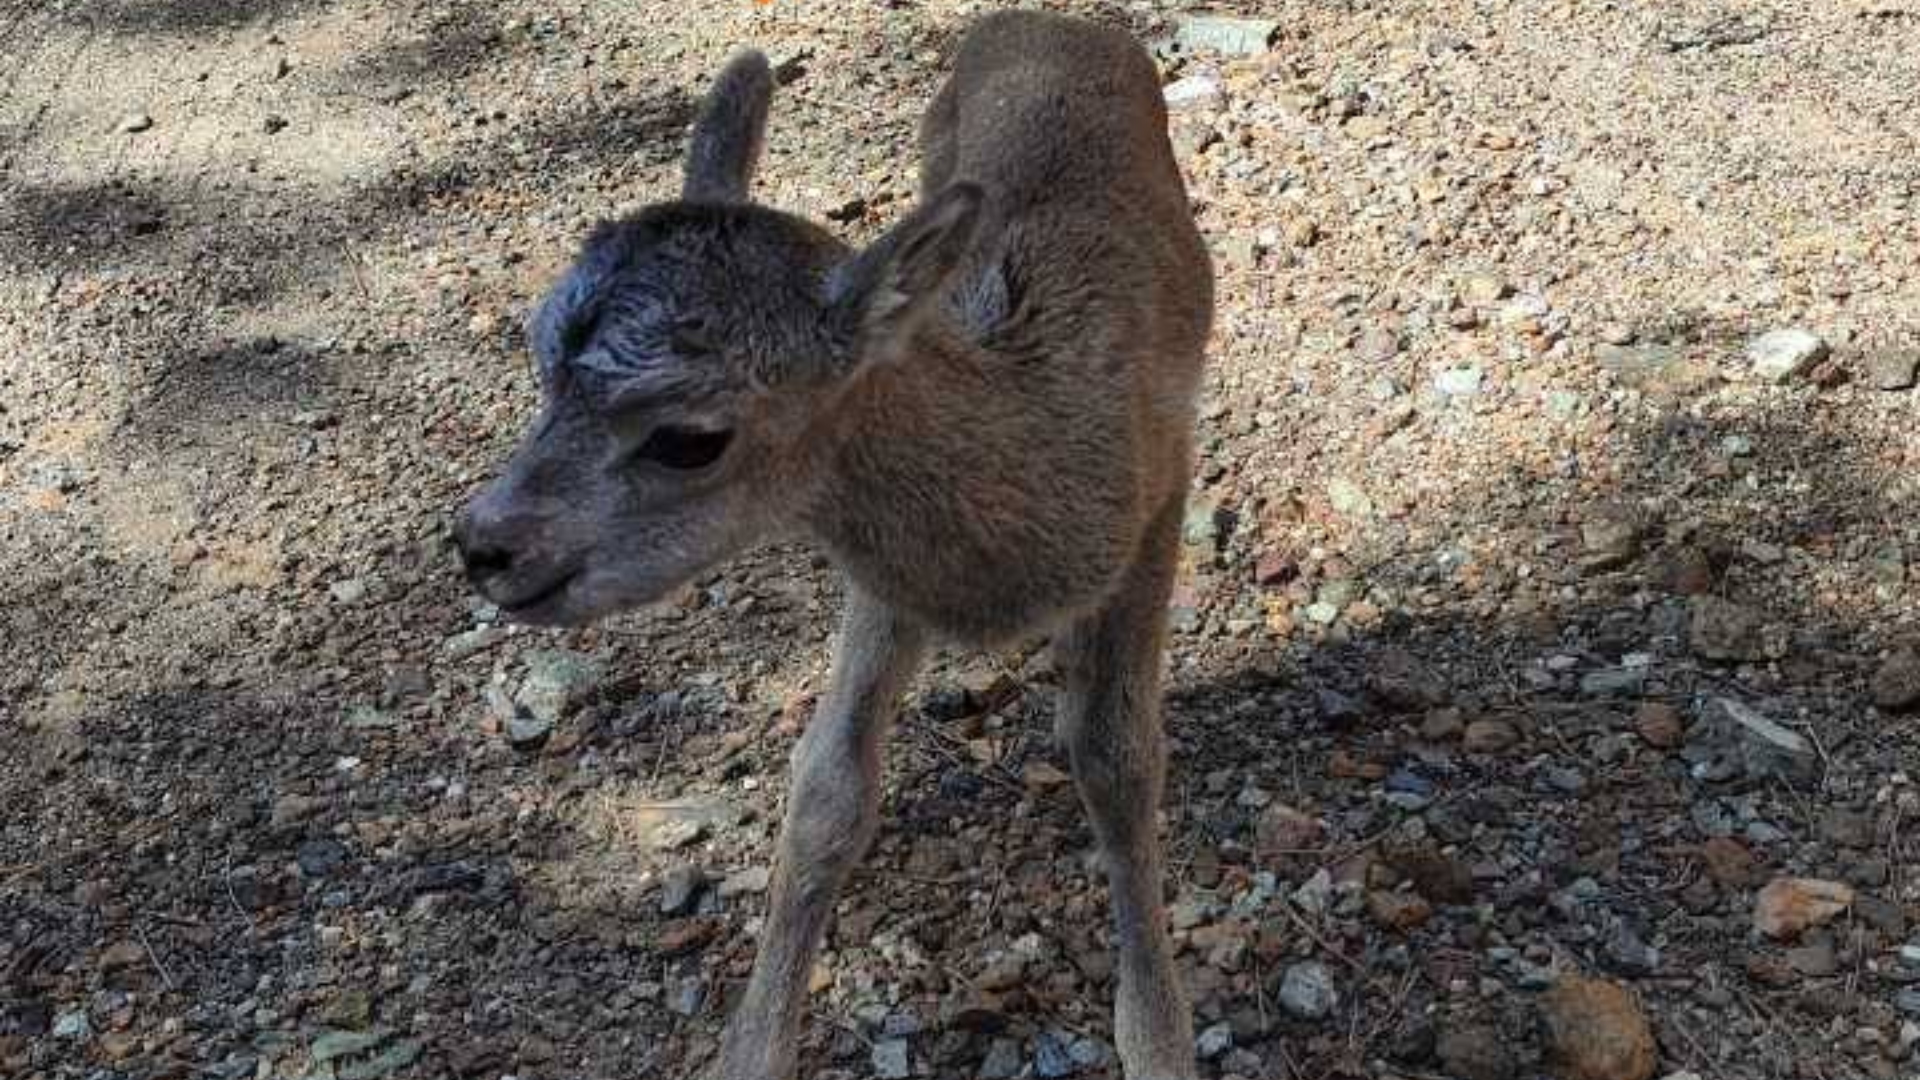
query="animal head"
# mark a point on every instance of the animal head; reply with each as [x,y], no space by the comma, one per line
[690,363]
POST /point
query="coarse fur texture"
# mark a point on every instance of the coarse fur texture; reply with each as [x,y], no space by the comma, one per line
[985,418]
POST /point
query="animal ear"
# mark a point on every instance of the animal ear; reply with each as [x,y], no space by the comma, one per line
[876,296]
[727,137]
[563,323]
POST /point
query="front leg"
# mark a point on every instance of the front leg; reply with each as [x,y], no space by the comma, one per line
[833,809]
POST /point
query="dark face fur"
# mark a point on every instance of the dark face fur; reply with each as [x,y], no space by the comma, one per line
[686,360]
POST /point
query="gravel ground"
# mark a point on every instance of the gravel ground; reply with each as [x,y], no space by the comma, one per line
[1544,640]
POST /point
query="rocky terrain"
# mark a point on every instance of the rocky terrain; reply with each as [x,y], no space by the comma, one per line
[1545,647]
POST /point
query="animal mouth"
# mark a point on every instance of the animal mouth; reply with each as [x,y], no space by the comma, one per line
[539,596]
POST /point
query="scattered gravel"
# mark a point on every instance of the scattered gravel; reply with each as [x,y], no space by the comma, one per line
[1545,617]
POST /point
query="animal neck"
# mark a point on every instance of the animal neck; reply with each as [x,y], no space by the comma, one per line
[919,481]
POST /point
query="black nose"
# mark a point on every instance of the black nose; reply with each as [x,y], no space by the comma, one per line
[485,561]
[481,557]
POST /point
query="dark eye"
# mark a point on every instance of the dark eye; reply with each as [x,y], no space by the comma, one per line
[683,449]
[692,338]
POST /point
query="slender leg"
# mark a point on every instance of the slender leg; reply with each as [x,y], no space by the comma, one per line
[1109,720]
[832,811]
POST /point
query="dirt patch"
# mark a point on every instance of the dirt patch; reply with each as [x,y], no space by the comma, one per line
[1480,430]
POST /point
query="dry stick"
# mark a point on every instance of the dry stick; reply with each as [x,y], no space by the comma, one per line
[153,957]
[226,879]
[1321,941]
[353,266]
[15,873]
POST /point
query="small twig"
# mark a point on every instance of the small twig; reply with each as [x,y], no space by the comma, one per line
[1307,929]
[154,957]
[353,267]
[15,873]
[226,880]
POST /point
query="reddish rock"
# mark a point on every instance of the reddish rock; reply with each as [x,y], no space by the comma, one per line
[1729,863]
[1788,906]
[1439,877]
[1896,686]
[1489,737]
[1282,832]
[1598,1030]
[1401,911]
[1660,725]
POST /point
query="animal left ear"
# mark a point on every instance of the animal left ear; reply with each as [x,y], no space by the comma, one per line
[728,136]
[877,296]
[564,322]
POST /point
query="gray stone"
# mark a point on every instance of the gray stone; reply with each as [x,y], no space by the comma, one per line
[394,1058]
[1562,404]
[1779,355]
[1050,1057]
[1307,991]
[528,732]
[1224,34]
[749,882]
[680,889]
[556,680]
[1002,1061]
[1610,538]
[334,1045]
[686,995]
[1895,370]
[1378,345]
[134,123]
[1732,739]
[1089,1053]
[1723,630]
[366,716]
[1322,613]
[319,858]
[1201,527]
[1614,682]
[348,591]
[1629,953]
[901,1025]
[1348,499]
[468,642]
[1910,954]
[890,1059]
[670,826]
[1653,368]
[1239,252]
[1564,780]
[1633,365]
[1214,1041]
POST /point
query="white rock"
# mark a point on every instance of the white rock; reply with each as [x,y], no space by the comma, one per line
[72,1025]
[1307,991]
[1779,355]
[1215,1041]
[1194,92]
[890,1060]
[1459,382]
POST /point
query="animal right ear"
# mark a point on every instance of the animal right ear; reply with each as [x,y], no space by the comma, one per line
[875,297]
[728,136]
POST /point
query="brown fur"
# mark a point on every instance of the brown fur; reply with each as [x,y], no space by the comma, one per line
[985,418]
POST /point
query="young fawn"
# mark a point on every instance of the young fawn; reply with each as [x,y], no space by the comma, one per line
[985,418]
